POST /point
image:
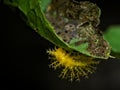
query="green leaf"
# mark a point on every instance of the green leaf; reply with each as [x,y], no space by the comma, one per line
[34,10]
[36,19]
[112,35]
[44,4]
[81,48]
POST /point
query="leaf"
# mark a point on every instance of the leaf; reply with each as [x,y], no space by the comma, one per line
[34,10]
[112,35]
[36,19]
[44,4]
[76,26]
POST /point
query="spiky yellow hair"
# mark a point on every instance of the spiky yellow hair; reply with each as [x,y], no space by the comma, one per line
[74,65]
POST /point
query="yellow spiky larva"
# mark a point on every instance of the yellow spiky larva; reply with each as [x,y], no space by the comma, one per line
[74,65]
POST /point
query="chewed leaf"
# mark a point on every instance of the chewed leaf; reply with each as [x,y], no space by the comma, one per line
[76,24]
[68,24]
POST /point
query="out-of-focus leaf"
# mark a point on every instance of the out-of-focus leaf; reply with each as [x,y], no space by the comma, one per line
[112,35]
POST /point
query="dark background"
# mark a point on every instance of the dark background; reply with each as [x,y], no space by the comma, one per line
[24,62]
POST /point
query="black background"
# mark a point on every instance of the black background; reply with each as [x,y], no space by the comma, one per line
[24,62]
